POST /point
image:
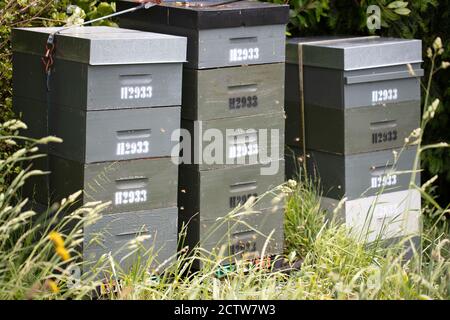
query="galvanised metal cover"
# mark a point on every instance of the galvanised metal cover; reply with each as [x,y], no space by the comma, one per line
[357,175]
[114,234]
[214,193]
[219,35]
[97,136]
[387,216]
[355,53]
[355,72]
[132,185]
[355,130]
[99,68]
[237,141]
[232,92]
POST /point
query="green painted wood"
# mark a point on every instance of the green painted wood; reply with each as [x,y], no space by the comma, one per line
[354,130]
[356,88]
[232,92]
[356,175]
[206,199]
[96,136]
[113,234]
[129,185]
[236,138]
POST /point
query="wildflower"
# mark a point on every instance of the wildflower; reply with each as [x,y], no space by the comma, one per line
[416,133]
[14,125]
[142,238]
[437,44]
[292,183]
[19,153]
[49,139]
[285,189]
[395,153]
[56,238]
[429,183]
[10,142]
[292,255]
[136,242]
[340,205]
[411,70]
[435,104]
[249,203]
[63,253]
[52,285]
[276,200]
[74,196]
[445,64]
[429,53]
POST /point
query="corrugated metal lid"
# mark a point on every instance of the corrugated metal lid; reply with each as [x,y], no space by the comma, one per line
[352,53]
[211,14]
[102,45]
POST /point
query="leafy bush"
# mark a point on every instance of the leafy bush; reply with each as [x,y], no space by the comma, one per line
[28,13]
[424,19]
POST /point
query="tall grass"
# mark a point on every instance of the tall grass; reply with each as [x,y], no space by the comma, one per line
[38,256]
[335,265]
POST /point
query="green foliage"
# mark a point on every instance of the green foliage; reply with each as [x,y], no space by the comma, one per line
[303,220]
[420,19]
[35,252]
[28,13]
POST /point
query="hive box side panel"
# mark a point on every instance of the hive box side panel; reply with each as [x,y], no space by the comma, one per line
[130,134]
[375,172]
[360,130]
[241,45]
[232,92]
[68,81]
[113,234]
[222,191]
[235,141]
[387,216]
[133,86]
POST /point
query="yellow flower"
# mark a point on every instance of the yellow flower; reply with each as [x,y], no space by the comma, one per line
[53,286]
[63,253]
[56,238]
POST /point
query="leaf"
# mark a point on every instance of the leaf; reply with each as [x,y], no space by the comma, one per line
[104,9]
[402,11]
[397,4]
[292,13]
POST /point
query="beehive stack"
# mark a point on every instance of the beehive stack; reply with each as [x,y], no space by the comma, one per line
[361,100]
[233,80]
[115,109]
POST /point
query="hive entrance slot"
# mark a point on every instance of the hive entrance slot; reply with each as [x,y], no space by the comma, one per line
[243,186]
